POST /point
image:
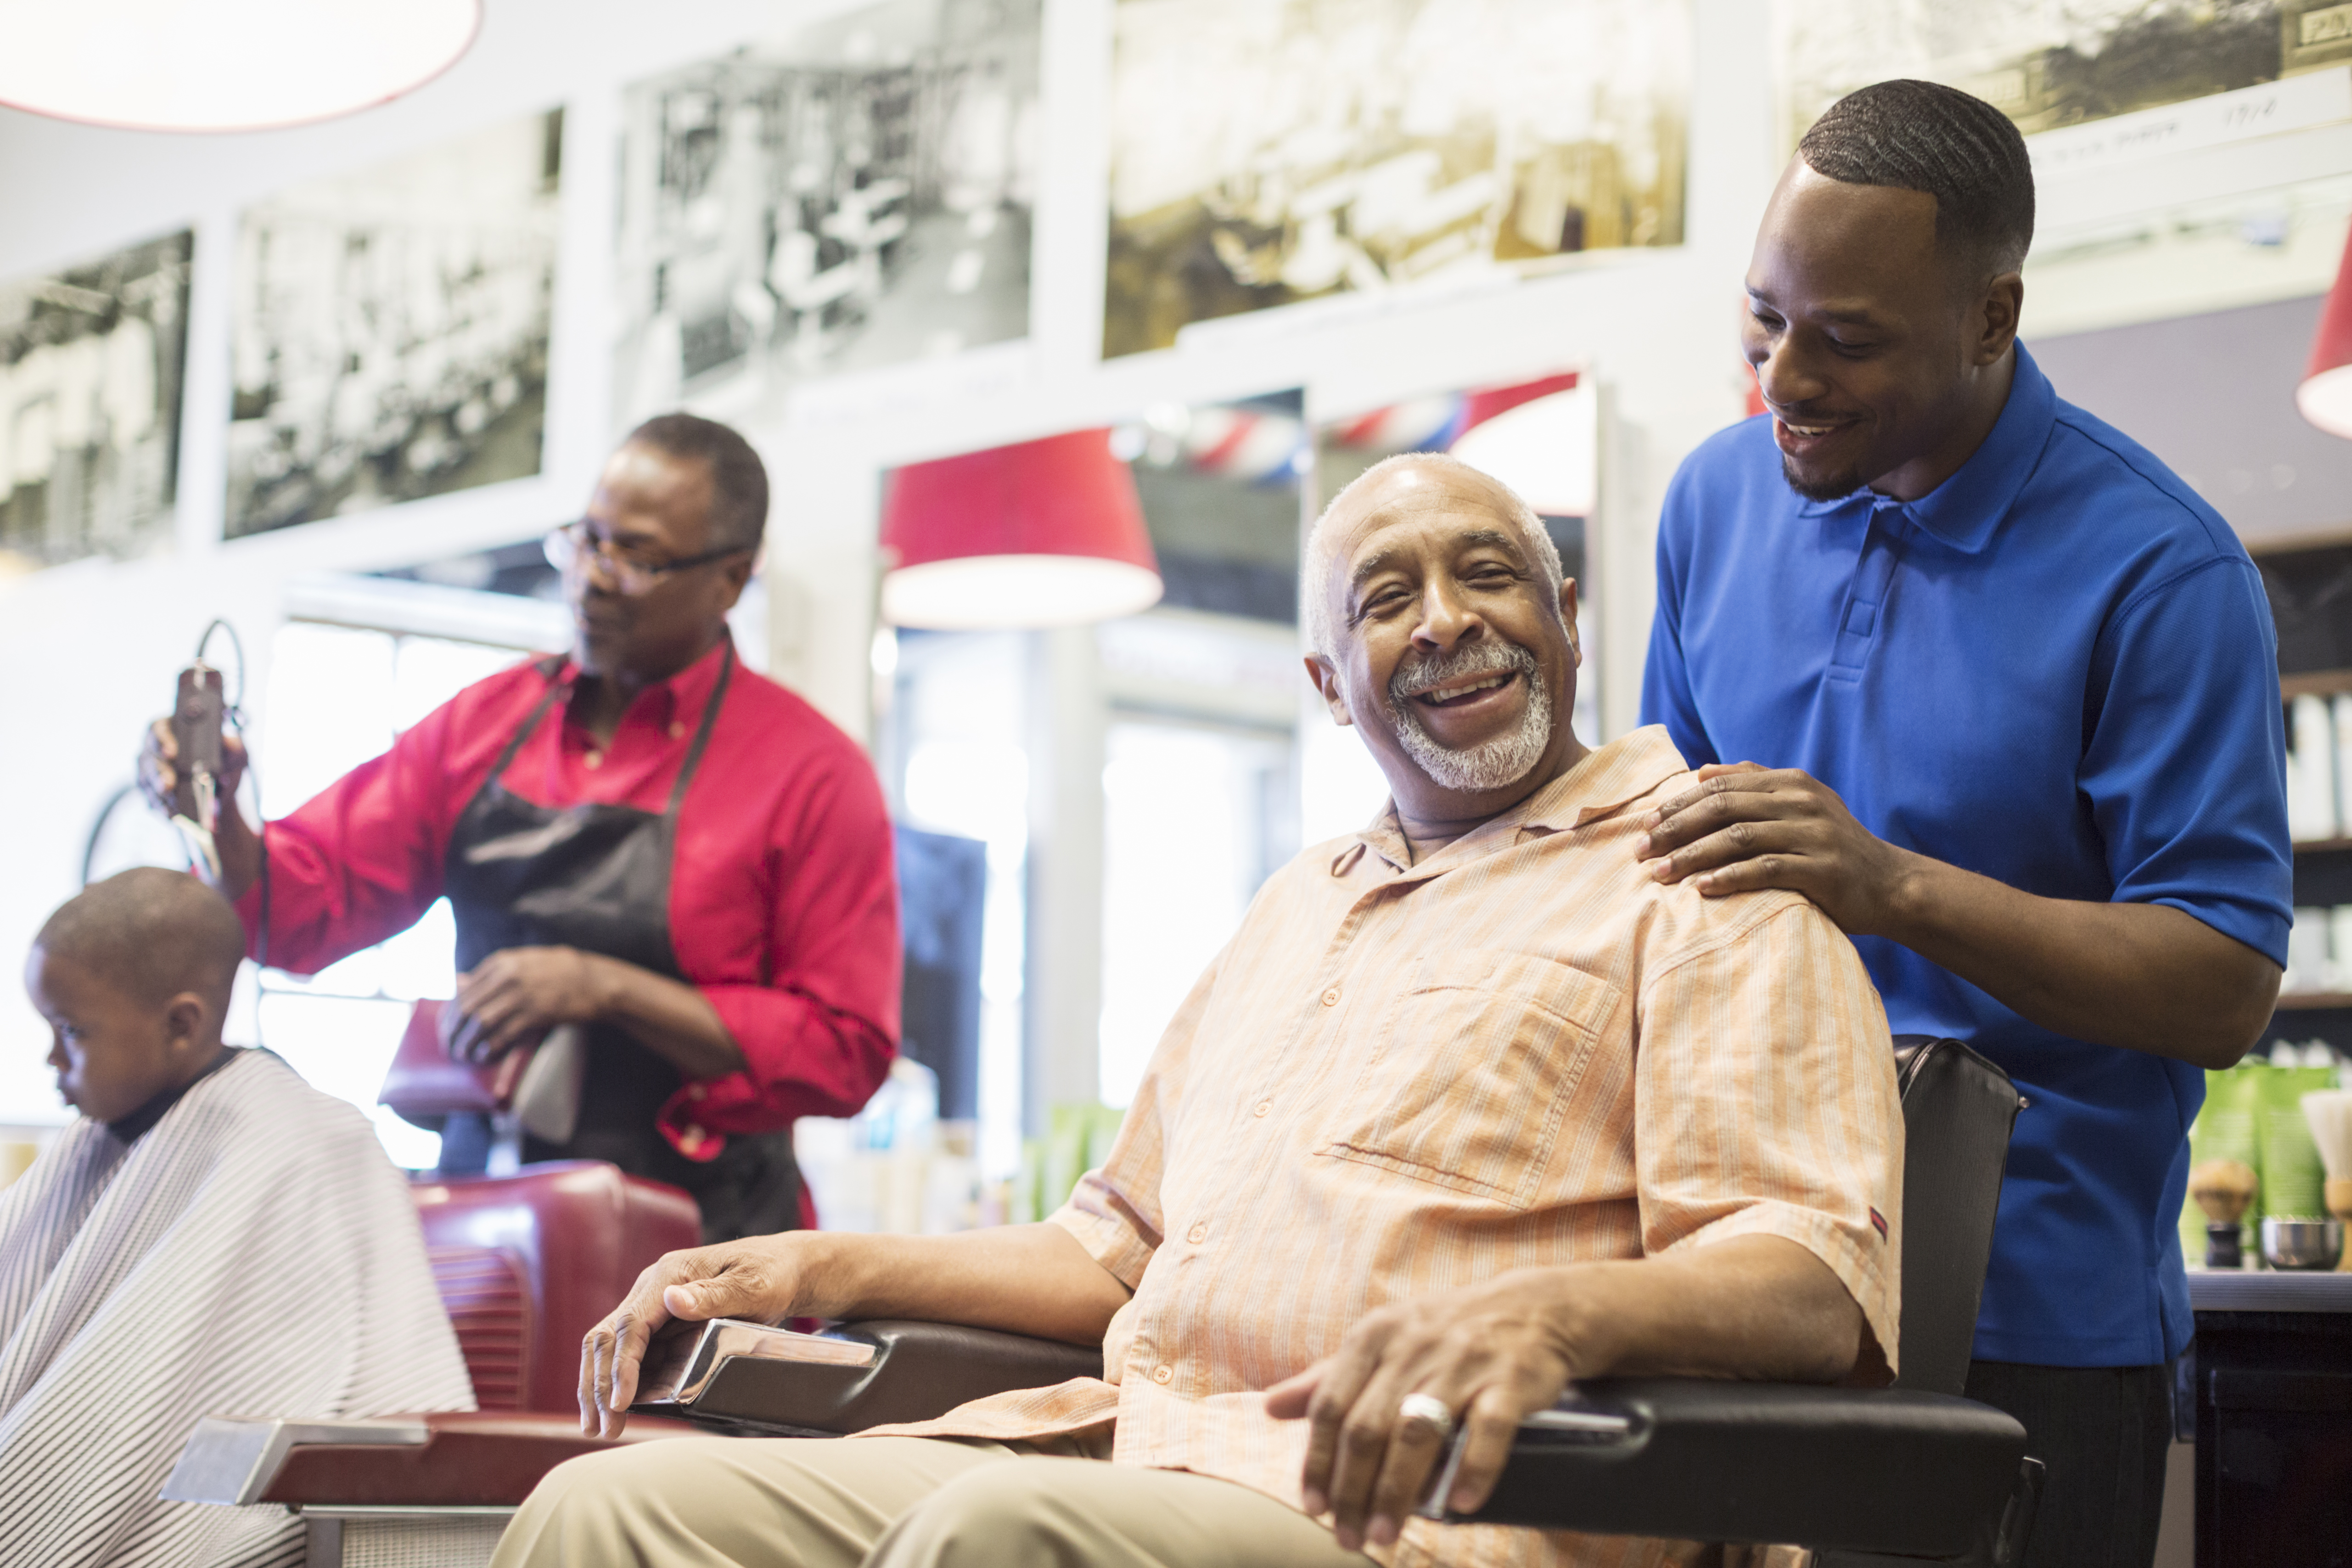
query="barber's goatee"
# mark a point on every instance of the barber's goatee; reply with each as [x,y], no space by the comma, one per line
[1837,488]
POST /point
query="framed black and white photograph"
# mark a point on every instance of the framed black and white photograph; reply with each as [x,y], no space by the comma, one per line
[1266,152]
[92,357]
[2048,67]
[390,334]
[852,194]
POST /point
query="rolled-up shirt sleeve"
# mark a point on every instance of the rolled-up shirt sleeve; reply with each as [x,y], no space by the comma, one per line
[818,1035]
[1766,1103]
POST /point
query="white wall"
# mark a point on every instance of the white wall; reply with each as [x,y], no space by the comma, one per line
[91,648]
[94,645]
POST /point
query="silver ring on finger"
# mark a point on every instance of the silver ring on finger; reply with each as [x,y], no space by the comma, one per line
[1426,1410]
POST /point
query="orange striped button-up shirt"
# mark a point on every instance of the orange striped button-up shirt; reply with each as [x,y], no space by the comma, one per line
[1401,1078]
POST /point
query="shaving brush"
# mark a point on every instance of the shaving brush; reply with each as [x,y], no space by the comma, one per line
[2223,1189]
[2329,1111]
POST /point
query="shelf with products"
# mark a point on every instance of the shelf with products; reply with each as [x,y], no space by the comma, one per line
[2314,683]
[2307,578]
[2314,1001]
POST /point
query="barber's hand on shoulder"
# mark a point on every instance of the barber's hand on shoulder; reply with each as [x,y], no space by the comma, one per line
[1491,1353]
[1747,828]
[763,1279]
[517,994]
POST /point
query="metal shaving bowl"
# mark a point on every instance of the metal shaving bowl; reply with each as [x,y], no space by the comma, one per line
[2302,1243]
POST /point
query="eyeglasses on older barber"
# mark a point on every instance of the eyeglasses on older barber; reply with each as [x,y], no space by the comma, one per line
[572,548]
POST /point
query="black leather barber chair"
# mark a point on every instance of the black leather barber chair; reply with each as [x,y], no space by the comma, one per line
[1865,1476]
[1905,1473]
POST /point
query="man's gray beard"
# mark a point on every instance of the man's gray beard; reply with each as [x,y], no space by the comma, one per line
[1506,759]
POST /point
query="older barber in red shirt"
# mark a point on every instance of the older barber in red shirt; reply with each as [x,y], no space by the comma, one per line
[644,840]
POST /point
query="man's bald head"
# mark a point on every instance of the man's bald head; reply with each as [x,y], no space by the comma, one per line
[1386,485]
[151,934]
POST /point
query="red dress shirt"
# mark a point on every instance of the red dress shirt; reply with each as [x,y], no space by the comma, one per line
[783,903]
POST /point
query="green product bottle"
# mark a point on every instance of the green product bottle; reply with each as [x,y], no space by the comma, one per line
[2292,1176]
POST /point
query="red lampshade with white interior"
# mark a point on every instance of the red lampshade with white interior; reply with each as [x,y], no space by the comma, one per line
[2325,394]
[1042,533]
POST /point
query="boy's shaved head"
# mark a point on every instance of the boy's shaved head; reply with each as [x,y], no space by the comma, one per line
[151,934]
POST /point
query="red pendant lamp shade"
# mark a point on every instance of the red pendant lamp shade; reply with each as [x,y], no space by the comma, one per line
[2325,394]
[1043,533]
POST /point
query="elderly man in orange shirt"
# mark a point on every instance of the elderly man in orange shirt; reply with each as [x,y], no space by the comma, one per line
[1471,1106]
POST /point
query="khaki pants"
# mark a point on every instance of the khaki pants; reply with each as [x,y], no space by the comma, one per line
[896,1502]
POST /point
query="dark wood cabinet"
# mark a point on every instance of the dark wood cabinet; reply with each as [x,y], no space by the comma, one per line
[2271,1383]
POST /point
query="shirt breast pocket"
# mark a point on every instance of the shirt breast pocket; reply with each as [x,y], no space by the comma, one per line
[1478,1054]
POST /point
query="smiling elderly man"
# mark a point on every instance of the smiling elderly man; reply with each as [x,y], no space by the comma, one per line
[1397,1165]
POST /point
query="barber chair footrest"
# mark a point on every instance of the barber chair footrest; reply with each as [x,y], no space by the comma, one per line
[433,1464]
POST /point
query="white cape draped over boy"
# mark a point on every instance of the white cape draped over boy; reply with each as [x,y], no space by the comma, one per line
[254,1253]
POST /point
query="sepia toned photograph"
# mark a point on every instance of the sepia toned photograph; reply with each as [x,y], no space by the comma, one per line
[389,330]
[1266,152]
[2047,66]
[853,194]
[91,362]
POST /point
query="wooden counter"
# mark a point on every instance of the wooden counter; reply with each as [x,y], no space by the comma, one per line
[2267,1290]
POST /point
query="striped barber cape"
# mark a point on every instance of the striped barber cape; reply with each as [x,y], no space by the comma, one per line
[252,1254]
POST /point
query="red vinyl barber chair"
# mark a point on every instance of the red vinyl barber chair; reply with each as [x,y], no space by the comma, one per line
[526,1265]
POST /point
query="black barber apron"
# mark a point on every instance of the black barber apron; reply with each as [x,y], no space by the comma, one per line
[597,878]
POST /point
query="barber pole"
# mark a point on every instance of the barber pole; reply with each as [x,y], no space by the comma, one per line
[1434,424]
[1418,424]
[1254,447]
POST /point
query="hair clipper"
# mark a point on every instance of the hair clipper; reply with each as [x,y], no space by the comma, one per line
[196,718]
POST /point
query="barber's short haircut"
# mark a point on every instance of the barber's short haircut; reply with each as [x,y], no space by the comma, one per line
[1323,541]
[149,934]
[1924,136]
[739,480]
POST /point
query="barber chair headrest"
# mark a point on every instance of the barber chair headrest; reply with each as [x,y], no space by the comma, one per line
[423,1082]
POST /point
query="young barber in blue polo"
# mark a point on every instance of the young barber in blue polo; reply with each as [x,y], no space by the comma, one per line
[2000,693]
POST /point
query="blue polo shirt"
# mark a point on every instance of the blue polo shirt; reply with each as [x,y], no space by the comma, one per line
[2057,669]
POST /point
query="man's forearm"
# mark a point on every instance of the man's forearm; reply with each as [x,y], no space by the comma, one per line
[240,847]
[2148,977]
[1754,1307]
[669,1017]
[1025,1279]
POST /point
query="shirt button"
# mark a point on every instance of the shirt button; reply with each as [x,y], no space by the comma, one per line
[1161,1374]
[1262,1107]
[695,1091]
[1331,998]
[1198,1234]
[595,759]
[677,729]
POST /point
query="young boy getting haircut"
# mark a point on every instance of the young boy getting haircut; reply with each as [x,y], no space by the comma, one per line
[212,1236]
